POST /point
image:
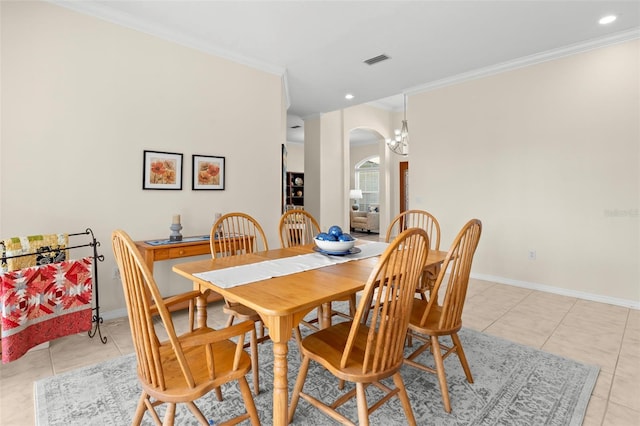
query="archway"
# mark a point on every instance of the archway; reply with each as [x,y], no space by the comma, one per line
[367,143]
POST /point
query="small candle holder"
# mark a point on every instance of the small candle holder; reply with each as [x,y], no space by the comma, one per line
[175,232]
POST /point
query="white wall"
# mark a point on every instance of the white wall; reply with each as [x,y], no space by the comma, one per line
[82,99]
[295,157]
[547,157]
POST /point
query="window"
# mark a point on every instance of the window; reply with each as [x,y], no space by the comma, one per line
[367,179]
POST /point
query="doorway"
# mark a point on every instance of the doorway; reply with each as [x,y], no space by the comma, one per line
[404,186]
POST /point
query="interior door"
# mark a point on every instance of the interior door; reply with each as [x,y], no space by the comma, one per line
[404,186]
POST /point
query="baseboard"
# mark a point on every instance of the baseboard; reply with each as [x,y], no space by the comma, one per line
[632,304]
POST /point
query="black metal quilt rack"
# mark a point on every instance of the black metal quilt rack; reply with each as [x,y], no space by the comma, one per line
[96,319]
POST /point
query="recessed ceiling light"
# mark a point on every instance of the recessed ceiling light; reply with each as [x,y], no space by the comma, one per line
[607,19]
[348,96]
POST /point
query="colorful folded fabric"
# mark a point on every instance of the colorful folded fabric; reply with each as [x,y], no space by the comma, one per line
[45,302]
[45,249]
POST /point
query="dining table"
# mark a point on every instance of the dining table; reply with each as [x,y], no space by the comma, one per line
[283,299]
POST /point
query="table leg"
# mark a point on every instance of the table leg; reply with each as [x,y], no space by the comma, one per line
[201,307]
[280,385]
[280,333]
[325,321]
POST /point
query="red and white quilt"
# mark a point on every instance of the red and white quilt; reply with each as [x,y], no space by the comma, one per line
[42,303]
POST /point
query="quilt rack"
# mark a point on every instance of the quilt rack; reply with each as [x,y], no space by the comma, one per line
[94,244]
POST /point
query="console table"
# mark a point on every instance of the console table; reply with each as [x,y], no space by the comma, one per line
[156,250]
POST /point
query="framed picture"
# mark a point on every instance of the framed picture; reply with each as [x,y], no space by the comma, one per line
[208,172]
[161,170]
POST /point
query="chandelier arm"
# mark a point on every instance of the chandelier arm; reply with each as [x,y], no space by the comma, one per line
[400,144]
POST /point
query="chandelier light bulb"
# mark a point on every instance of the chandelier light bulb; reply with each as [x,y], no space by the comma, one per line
[400,143]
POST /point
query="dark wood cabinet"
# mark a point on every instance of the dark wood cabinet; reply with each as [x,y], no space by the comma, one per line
[295,190]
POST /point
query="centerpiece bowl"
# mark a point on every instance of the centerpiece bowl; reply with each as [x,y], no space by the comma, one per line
[335,246]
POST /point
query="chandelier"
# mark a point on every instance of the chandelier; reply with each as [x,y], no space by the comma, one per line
[400,143]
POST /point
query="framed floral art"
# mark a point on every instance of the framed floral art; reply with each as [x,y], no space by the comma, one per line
[162,170]
[208,172]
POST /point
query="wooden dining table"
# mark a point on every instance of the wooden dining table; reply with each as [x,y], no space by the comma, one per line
[283,301]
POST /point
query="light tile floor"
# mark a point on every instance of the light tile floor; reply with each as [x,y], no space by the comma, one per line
[590,332]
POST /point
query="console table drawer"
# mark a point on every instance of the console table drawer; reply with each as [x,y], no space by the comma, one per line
[178,252]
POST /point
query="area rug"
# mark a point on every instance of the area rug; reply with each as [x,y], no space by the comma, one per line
[513,385]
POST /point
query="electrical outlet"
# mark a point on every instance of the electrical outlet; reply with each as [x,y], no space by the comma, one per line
[532,255]
[116,273]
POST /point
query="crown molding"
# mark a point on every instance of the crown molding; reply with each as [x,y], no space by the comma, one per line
[526,61]
[105,13]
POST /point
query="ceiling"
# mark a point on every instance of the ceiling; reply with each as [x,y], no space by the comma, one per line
[319,46]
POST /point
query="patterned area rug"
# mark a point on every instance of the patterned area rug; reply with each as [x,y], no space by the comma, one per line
[513,385]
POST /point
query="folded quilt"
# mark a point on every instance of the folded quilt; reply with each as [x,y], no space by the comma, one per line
[42,303]
[45,249]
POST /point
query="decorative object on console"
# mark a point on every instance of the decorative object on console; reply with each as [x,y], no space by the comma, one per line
[161,170]
[400,143]
[355,195]
[175,229]
[208,173]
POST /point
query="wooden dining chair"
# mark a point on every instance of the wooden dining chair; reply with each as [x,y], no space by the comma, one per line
[367,353]
[425,220]
[238,233]
[429,321]
[185,367]
[298,227]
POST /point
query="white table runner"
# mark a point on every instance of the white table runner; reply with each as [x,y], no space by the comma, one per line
[244,274]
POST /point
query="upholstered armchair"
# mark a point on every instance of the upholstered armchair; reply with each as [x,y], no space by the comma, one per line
[365,221]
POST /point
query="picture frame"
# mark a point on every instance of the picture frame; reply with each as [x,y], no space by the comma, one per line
[208,173]
[162,170]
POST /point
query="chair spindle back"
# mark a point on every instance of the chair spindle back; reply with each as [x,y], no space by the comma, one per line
[395,278]
[237,233]
[138,284]
[416,219]
[297,227]
[458,265]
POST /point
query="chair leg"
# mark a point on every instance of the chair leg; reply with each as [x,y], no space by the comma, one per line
[409,339]
[352,305]
[404,399]
[462,357]
[248,401]
[230,320]
[254,361]
[295,396]
[169,415]
[261,328]
[140,409]
[196,412]
[442,377]
[298,340]
[363,409]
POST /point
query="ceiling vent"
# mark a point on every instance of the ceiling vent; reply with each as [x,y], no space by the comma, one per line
[376,59]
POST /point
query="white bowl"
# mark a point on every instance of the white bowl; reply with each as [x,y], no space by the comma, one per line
[334,246]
